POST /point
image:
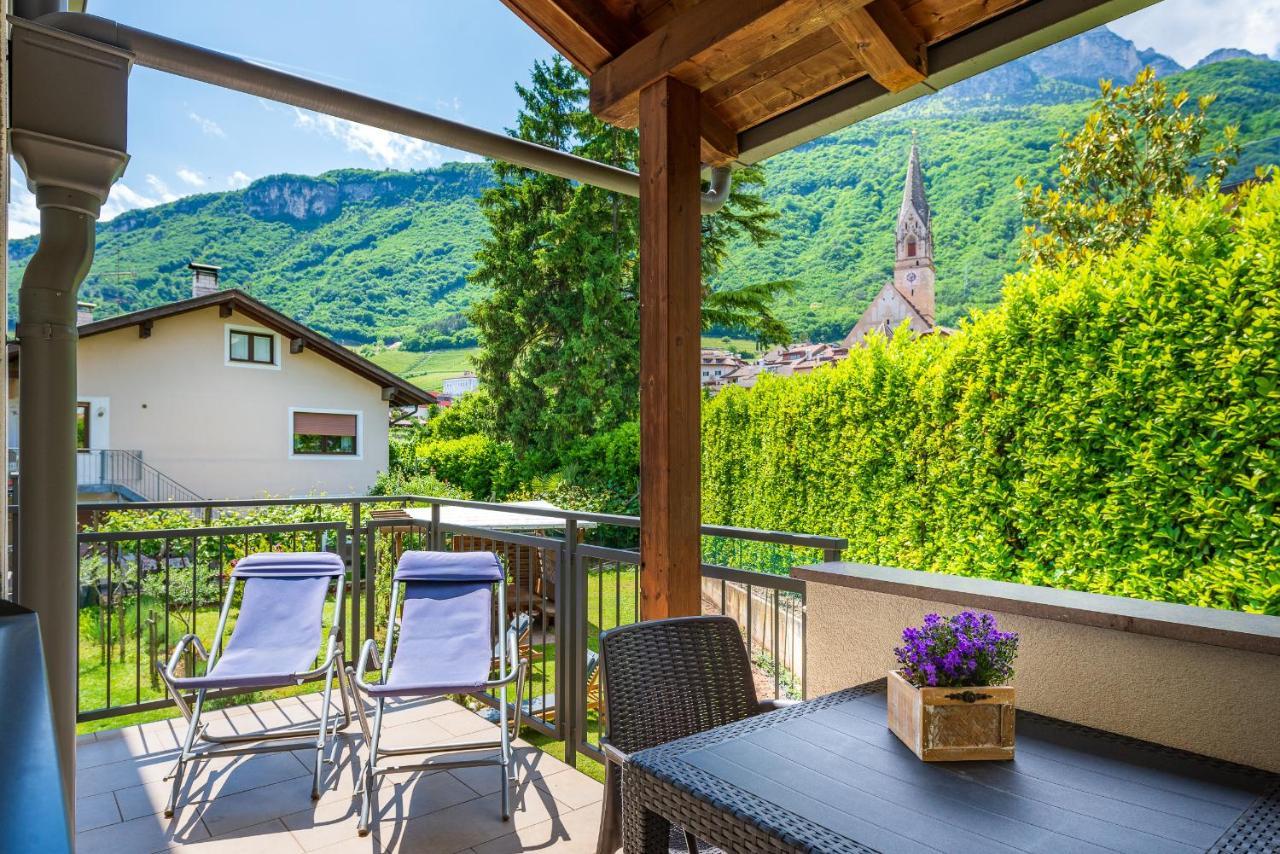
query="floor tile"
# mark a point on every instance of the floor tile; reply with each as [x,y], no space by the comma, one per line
[269,837]
[96,811]
[571,788]
[121,775]
[141,836]
[570,833]
[218,777]
[398,800]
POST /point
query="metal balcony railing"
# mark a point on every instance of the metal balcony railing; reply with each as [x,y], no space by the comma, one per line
[122,472]
[141,589]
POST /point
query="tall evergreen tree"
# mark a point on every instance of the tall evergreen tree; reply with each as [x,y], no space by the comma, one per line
[559,330]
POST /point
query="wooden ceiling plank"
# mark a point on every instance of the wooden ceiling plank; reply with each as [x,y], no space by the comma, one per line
[815,75]
[889,46]
[940,19]
[662,51]
[761,72]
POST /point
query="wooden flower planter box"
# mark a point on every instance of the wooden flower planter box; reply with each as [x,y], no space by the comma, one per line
[952,724]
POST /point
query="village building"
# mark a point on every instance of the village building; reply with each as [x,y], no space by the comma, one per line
[716,364]
[909,295]
[455,387]
[221,396]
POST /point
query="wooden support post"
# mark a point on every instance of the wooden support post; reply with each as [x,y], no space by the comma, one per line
[670,341]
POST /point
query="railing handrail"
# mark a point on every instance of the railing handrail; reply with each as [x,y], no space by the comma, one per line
[817,541]
[205,531]
[163,480]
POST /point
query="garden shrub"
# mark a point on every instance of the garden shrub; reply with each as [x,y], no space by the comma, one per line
[1112,426]
[478,465]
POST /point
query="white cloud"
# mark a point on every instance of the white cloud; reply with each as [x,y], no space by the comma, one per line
[386,149]
[449,105]
[208,126]
[161,189]
[24,216]
[125,198]
[190,177]
[238,179]
[1188,30]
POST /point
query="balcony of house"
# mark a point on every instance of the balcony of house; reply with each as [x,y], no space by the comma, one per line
[1131,712]
[152,573]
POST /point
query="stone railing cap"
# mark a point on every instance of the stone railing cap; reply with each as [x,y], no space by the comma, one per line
[1213,626]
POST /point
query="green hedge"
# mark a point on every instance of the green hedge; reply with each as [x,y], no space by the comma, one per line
[1113,427]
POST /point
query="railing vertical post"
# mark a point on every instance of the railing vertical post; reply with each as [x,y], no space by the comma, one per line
[572,644]
[370,583]
[436,536]
[830,555]
[353,626]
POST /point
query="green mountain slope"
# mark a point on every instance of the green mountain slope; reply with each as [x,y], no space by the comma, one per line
[370,256]
[358,254]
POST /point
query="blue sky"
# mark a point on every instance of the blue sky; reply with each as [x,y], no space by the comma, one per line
[456,59]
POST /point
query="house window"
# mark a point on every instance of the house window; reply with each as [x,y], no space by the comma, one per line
[325,433]
[82,426]
[255,347]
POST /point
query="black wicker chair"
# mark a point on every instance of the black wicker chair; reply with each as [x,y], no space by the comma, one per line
[663,680]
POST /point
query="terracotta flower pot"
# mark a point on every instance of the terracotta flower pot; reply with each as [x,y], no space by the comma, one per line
[952,724]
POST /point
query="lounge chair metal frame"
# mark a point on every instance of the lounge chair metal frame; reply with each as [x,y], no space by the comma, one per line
[260,741]
[511,670]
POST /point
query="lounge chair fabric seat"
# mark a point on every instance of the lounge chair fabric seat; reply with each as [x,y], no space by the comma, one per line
[442,647]
[448,566]
[289,565]
[276,635]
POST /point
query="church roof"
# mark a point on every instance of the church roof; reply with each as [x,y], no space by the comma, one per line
[913,192]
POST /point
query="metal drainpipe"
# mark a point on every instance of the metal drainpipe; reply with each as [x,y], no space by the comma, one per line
[229,72]
[68,105]
[47,436]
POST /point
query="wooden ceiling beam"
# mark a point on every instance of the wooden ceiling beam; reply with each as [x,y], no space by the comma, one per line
[885,42]
[662,52]
[583,31]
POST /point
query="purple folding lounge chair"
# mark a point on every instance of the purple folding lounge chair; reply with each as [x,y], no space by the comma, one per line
[440,643]
[274,644]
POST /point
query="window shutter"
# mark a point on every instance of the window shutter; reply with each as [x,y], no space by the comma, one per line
[323,424]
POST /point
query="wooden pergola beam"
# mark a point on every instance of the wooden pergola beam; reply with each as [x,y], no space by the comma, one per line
[663,51]
[888,45]
[614,86]
[582,31]
[670,342]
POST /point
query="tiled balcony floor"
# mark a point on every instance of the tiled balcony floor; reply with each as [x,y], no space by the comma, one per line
[262,803]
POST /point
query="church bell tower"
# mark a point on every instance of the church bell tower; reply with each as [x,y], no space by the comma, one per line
[913,272]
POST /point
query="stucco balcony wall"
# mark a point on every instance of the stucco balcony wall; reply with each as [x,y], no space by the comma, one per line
[1198,679]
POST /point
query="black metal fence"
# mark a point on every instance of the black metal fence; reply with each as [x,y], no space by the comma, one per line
[571,576]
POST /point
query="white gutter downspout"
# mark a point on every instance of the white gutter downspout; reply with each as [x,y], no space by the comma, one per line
[229,72]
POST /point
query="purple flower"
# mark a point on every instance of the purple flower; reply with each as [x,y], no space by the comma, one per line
[964,650]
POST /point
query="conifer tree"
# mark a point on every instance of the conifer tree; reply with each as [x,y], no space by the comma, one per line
[559,328]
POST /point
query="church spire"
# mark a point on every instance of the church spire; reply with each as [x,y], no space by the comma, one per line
[913,198]
[913,272]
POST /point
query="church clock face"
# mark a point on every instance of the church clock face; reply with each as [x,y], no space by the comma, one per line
[911,277]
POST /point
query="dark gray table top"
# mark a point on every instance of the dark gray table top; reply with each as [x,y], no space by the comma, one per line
[828,775]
